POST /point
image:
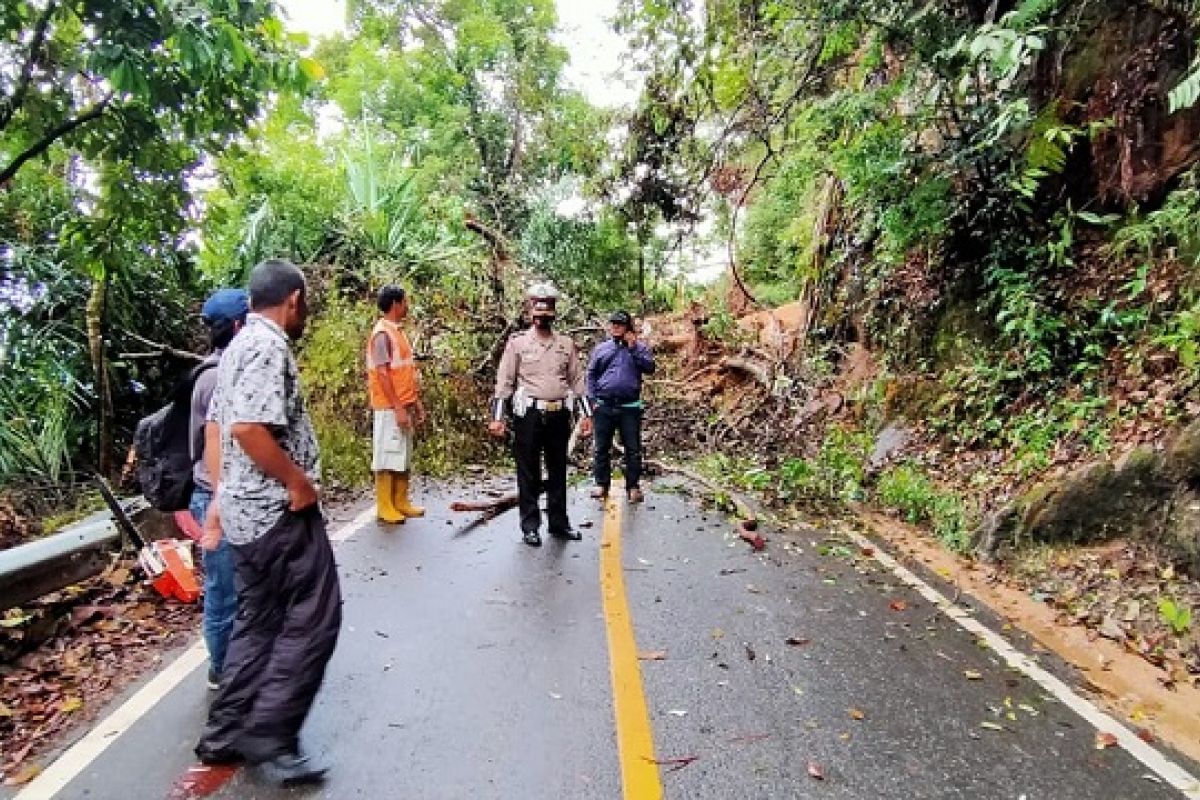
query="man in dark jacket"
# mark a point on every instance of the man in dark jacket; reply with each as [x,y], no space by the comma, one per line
[614,382]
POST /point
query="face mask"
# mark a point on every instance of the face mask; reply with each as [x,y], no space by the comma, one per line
[543,323]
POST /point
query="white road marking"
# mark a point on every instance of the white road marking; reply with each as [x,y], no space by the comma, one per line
[353,526]
[79,756]
[1162,766]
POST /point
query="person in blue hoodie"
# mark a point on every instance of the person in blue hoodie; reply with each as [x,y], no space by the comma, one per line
[614,382]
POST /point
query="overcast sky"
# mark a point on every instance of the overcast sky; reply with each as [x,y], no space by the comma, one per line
[595,50]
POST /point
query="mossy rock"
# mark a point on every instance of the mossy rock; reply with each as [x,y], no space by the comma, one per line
[910,397]
[1182,460]
[1096,502]
[960,336]
[1181,532]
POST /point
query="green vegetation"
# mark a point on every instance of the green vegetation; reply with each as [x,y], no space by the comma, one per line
[909,492]
[997,200]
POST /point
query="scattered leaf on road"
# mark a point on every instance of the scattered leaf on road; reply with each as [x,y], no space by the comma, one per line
[24,776]
[991,726]
[70,704]
[653,655]
[973,674]
[1105,740]
[675,764]
[755,540]
[796,641]
[898,605]
[118,577]
[1145,735]
[816,771]
[750,738]
[857,713]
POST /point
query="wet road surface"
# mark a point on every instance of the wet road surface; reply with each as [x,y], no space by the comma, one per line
[471,666]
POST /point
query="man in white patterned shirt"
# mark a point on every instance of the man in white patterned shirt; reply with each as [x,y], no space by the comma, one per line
[263,456]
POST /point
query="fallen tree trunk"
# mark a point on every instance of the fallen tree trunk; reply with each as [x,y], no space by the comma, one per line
[761,372]
[676,342]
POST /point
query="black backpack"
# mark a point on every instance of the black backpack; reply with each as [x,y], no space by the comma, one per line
[162,443]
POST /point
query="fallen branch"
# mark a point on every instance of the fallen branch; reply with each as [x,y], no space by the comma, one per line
[165,349]
[744,511]
[497,349]
[492,508]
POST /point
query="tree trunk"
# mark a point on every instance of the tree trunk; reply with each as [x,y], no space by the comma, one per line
[642,266]
[96,306]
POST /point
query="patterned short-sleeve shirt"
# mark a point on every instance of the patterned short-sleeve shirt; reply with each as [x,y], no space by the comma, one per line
[258,382]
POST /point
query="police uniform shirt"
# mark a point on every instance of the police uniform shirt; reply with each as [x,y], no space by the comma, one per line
[547,367]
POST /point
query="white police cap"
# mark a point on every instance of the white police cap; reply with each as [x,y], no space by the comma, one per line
[542,290]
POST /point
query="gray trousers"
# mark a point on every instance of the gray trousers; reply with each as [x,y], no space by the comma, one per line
[289,614]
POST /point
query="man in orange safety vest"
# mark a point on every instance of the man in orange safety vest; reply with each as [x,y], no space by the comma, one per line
[394,387]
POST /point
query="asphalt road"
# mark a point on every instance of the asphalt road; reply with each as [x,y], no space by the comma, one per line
[471,666]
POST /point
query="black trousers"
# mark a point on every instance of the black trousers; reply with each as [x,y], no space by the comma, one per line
[289,614]
[608,420]
[538,434]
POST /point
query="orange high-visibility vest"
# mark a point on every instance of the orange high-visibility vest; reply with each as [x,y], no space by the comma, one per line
[403,369]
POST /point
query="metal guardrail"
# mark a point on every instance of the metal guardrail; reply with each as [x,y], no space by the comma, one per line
[82,550]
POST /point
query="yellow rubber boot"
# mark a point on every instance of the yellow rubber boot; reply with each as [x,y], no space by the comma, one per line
[385,508]
[400,499]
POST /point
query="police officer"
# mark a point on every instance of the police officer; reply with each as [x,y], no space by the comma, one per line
[539,377]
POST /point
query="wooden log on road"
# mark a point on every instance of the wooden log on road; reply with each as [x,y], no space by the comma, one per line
[491,507]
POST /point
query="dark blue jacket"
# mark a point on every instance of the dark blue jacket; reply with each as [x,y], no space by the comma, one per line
[615,372]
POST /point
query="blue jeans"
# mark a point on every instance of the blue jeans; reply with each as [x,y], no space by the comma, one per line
[220,592]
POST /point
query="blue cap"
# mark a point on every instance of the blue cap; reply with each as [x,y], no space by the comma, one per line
[226,305]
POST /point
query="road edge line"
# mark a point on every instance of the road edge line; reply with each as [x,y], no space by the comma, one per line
[1151,758]
[635,738]
[74,760]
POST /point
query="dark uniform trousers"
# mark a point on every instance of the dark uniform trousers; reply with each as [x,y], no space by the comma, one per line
[610,418]
[289,614]
[535,434]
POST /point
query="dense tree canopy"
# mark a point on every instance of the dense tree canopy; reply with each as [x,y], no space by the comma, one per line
[895,170]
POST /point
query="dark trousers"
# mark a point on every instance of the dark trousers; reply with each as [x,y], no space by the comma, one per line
[536,434]
[607,421]
[289,613]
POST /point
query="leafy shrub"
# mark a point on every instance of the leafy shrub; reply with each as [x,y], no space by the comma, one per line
[834,476]
[915,497]
[332,370]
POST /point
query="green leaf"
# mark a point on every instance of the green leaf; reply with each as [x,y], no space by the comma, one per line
[312,69]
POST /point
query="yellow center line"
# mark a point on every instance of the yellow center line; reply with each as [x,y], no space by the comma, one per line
[635,740]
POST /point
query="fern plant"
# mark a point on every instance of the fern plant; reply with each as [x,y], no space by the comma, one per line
[1187,91]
